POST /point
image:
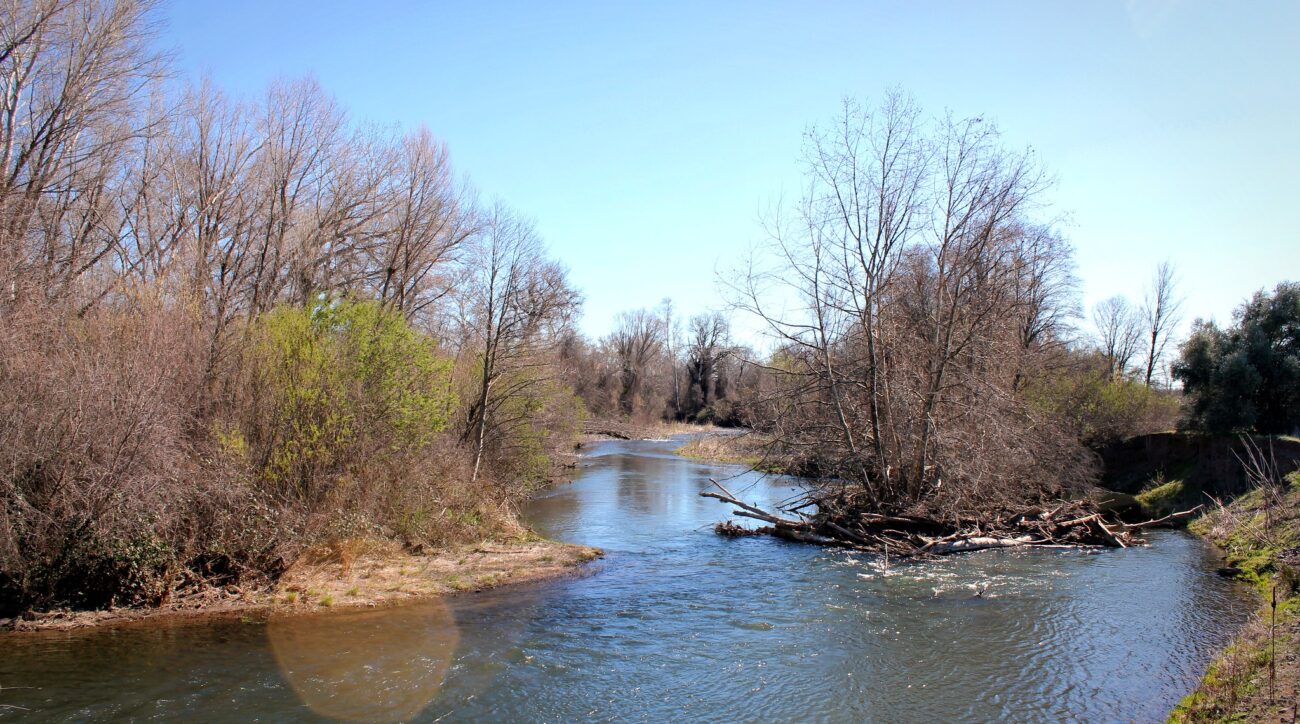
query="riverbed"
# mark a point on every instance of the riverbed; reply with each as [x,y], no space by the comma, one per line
[677,623]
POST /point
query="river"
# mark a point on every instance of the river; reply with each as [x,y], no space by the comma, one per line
[676,623]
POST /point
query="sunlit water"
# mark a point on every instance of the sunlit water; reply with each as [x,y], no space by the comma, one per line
[677,623]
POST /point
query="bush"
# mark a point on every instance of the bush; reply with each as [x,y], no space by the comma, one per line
[1099,409]
[126,469]
[543,424]
[96,460]
[329,392]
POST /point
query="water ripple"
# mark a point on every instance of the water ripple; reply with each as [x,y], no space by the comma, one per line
[681,624]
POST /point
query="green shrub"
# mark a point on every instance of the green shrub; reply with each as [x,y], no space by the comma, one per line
[530,428]
[1099,409]
[332,387]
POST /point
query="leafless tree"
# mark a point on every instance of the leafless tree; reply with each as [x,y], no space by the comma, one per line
[1119,331]
[516,304]
[430,220]
[670,346]
[147,230]
[637,341]
[707,347]
[74,85]
[1045,291]
[1162,311]
[910,295]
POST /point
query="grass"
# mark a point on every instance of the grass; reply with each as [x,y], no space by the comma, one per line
[745,449]
[1242,684]
[1164,495]
[327,600]
[456,583]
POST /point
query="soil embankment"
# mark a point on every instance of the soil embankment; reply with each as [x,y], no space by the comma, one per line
[1174,471]
[369,576]
[1257,677]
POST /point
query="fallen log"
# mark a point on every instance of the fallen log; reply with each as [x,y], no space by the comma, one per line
[727,528]
[895,519]
[801,536]
[1161,521]
[977,543]
[911,535]
[754,511]
[778,522]
[930,542]
[750,511]
[805,504]
[1077,521]
[848,533]
[1110,534]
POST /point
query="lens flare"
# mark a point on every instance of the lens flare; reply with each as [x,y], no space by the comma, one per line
[380,665]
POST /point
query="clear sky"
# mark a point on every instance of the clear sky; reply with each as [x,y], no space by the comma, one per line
[644,138]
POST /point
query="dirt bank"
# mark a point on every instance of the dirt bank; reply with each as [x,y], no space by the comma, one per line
[1257,677]
[378,574]
[1194,462]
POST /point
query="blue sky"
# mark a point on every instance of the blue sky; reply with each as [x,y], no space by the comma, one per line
[645,138]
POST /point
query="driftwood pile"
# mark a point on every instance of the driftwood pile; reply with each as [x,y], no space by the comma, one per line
[1067,524]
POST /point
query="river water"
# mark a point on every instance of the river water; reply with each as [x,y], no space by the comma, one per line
[676,623]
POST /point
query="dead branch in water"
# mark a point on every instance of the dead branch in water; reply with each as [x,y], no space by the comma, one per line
[1070,524]
[979,543]
[1165,520]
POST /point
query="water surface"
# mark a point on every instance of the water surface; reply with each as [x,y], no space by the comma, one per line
[677,623]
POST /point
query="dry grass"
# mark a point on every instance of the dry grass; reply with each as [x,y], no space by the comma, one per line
[747,449]
[668,428]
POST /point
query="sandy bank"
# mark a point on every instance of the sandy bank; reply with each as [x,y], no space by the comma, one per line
[379,576]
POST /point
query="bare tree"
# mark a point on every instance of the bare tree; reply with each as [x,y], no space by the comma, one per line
[865,204]
[74,84]
[516,304]
[910,296]
[1162,311]
[154,239]
[429,220]
[1119,332]
[670,346]
[708,346]
[637,341]
[1045,291]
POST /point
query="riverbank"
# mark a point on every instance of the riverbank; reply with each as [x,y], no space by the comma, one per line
[364,574]
[600,429]
[1257,677]
[738,447]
